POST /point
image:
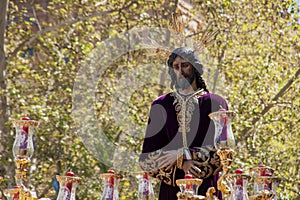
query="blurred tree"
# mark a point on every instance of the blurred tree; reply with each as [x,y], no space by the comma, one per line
[256,58]
[259,42]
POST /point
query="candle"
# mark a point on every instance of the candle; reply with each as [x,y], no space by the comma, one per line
[110,186]
[69,183]
[223,122]
[146,190]
[24,136]
[268,183]
[68,187]
[239,181]
[224,134]
[240,185]
[262,170]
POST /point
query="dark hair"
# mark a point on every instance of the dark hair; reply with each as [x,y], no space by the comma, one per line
[189,55]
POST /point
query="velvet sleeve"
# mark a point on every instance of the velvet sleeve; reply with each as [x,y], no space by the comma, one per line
[154,145]
[207,160]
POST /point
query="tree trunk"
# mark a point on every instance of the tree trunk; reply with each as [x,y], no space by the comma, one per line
[3,99]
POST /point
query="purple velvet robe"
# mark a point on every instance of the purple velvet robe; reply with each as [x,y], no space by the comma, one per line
[164,132]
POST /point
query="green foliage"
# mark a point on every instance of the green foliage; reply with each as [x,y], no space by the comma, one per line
[256,52]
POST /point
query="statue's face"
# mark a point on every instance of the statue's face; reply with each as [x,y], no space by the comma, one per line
[184,73]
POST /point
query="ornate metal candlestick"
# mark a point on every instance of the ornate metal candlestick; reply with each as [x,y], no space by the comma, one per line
[239,182]
[22,150]
[111,184]
[263,195]
[67,185]
[23,147]
[265,183]
[189,188]
[145,189]
[13,193]
[224,143]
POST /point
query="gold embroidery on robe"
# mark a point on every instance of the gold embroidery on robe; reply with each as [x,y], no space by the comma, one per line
[150,165]
[189,109]
[207,160]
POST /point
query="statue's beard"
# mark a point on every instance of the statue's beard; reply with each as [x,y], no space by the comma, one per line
[185,80]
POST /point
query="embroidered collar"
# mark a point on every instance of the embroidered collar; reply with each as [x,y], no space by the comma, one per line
[185,106]
[196,93]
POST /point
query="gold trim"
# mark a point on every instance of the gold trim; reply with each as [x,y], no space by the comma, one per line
[167,175]
[226,156]
[180,158]
[189,181]
[258,169]
[109,175]
[22,163]
[263,195]
[72,179]
[140,173]
[11,191]
[189,196]
[149,165]
[24,122]
[210,194]
[207,160]
[174,176]
[225,113]
[223,183]
[244,176]
[184,109]
[21,171]
[269,179]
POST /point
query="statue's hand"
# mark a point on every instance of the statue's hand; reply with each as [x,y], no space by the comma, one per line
[167,159]
[189,167]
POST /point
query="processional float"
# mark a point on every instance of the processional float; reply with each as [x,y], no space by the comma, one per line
[234,186]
